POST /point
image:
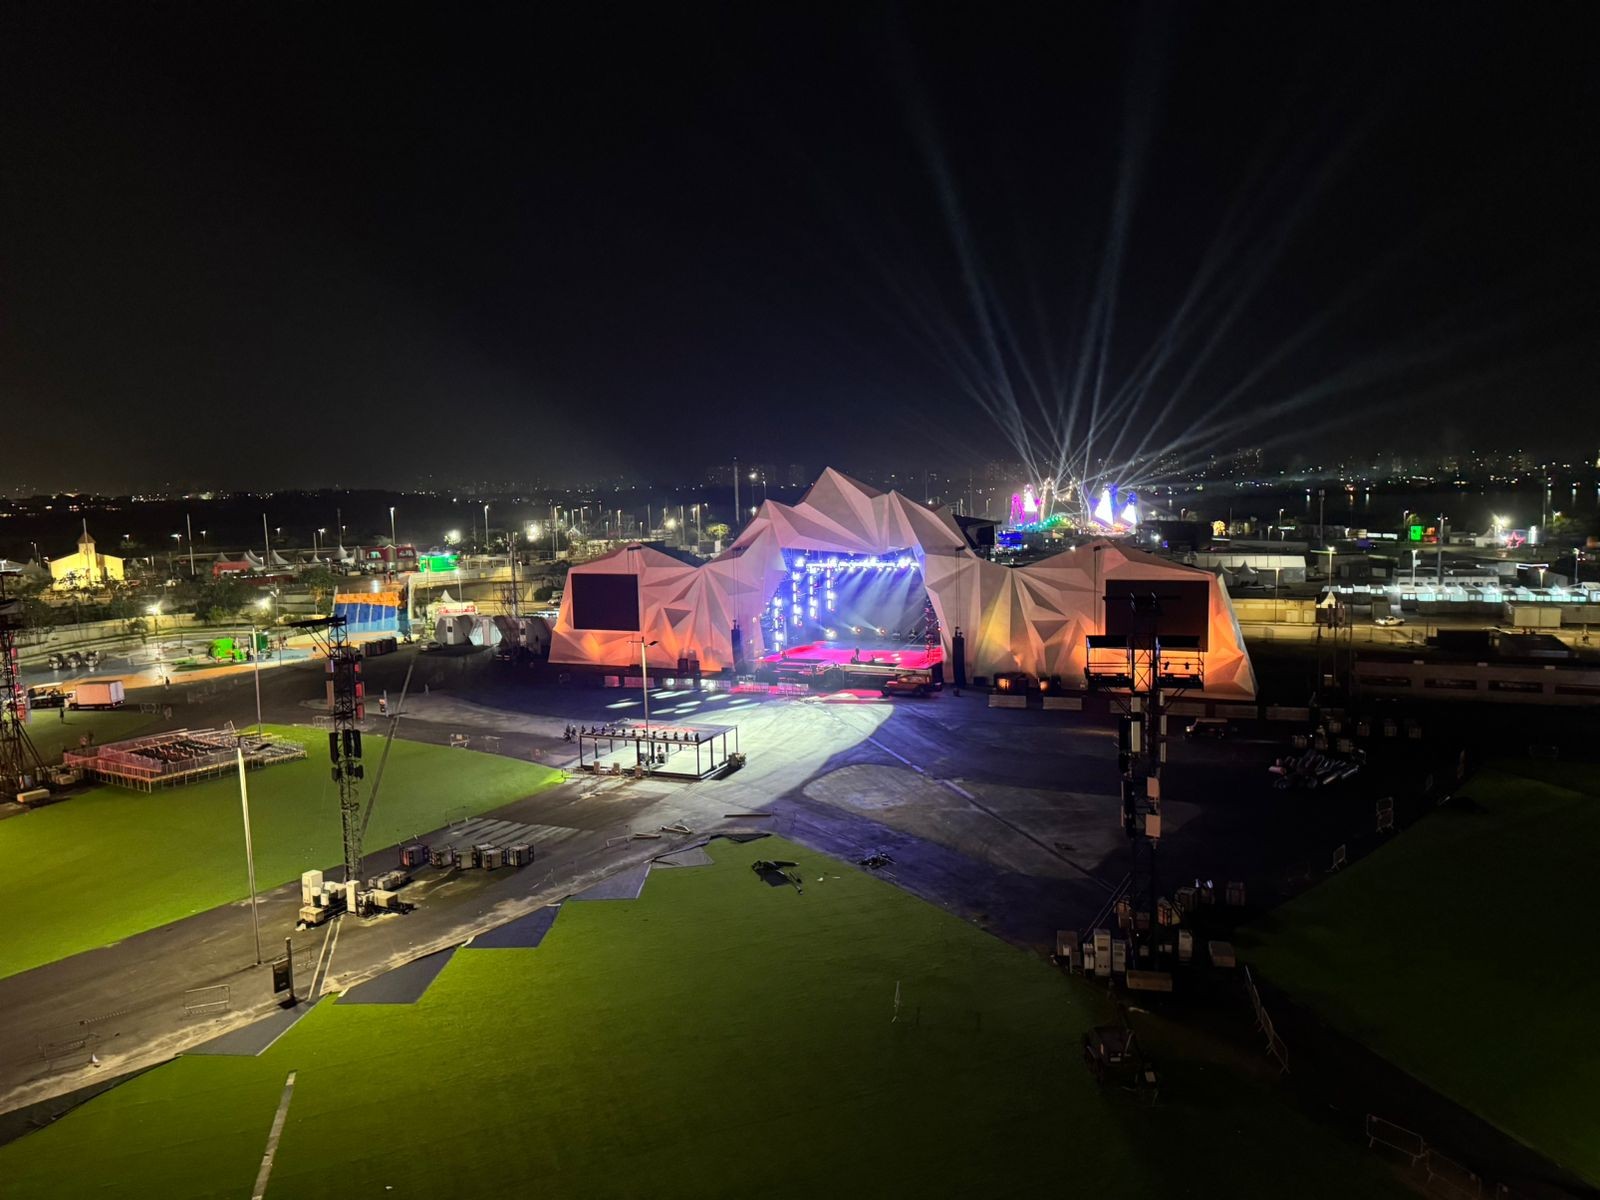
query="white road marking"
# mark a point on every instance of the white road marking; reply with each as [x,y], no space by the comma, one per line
[265,1173]
[328,969]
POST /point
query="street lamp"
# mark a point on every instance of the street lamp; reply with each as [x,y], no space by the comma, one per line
[644,680]
[255,656]
[393,541]
[249,852]
[486,529]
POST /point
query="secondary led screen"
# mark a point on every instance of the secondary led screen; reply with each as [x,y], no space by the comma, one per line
[609,602]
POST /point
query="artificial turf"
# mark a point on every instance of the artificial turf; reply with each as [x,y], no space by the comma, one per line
[51,734]
[716,1037]
[60,898]
[1456,952]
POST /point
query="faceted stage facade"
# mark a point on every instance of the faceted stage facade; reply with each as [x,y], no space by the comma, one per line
[1033,618]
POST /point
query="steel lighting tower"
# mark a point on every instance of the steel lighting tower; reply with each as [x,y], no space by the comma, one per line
[19,760]
[346,708]
[1133,664]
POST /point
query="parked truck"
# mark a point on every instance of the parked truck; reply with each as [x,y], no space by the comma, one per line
[98,693]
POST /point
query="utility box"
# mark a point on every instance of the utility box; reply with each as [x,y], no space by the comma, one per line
[1102,952]
[1067,949]
[310,886]
[414,855]
[1221,954]
[519,855]
[1185,946]
[492,857]
[441,856]
[1119,956]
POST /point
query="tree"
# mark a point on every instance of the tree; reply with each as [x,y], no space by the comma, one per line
[219,600]
[321,583]
[717,531]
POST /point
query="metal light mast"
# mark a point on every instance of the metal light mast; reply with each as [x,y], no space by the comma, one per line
[1132,664]
[346,709]
[20,765]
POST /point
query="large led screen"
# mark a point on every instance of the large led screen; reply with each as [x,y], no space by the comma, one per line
[608,602]
[1184,606]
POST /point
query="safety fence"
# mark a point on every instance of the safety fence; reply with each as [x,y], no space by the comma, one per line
[1438,1174]
[1275,1044]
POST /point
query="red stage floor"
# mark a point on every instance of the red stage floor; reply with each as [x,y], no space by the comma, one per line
[912,658]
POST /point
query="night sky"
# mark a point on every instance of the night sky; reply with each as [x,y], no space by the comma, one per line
[304,244]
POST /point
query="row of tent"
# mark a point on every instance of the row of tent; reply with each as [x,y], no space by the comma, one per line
[256,562]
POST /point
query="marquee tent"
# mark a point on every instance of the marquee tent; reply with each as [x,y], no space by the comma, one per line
[1033,618]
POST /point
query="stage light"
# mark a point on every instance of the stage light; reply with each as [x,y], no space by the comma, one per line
[831,634]
[1102,510]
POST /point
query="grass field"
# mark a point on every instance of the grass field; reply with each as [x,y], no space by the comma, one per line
[1457,952]
[59,899]
[51,735]
[716,1037]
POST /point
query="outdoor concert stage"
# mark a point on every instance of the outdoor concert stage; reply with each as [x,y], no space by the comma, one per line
[831,654]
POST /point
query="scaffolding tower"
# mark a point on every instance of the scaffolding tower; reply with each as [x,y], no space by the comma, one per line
[346,709]
[20,764]
[1142,678]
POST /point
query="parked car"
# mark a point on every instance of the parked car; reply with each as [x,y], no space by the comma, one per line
[430,646]
[1388,622]
[908,683]
[57,661]
[1207,729]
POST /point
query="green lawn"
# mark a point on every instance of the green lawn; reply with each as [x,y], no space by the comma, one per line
[716,1037]
[186,845]
[1459,952]
[51,735]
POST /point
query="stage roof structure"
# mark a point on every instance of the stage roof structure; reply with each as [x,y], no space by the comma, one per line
[1033,618]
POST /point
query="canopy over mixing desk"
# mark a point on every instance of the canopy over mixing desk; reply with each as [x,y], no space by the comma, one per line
[673,751]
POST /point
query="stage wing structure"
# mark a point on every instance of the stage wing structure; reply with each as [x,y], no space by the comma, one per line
[1032,618]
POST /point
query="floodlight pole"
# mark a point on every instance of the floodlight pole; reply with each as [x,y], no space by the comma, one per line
[249,852]
[644,683]
[255,655]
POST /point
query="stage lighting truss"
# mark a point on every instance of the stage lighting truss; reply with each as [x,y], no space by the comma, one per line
[812,588]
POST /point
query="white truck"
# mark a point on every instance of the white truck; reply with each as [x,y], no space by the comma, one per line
[97,693]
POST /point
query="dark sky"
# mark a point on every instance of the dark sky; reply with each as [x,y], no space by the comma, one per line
[297,244]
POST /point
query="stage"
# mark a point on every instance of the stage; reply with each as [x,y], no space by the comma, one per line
[832,654]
